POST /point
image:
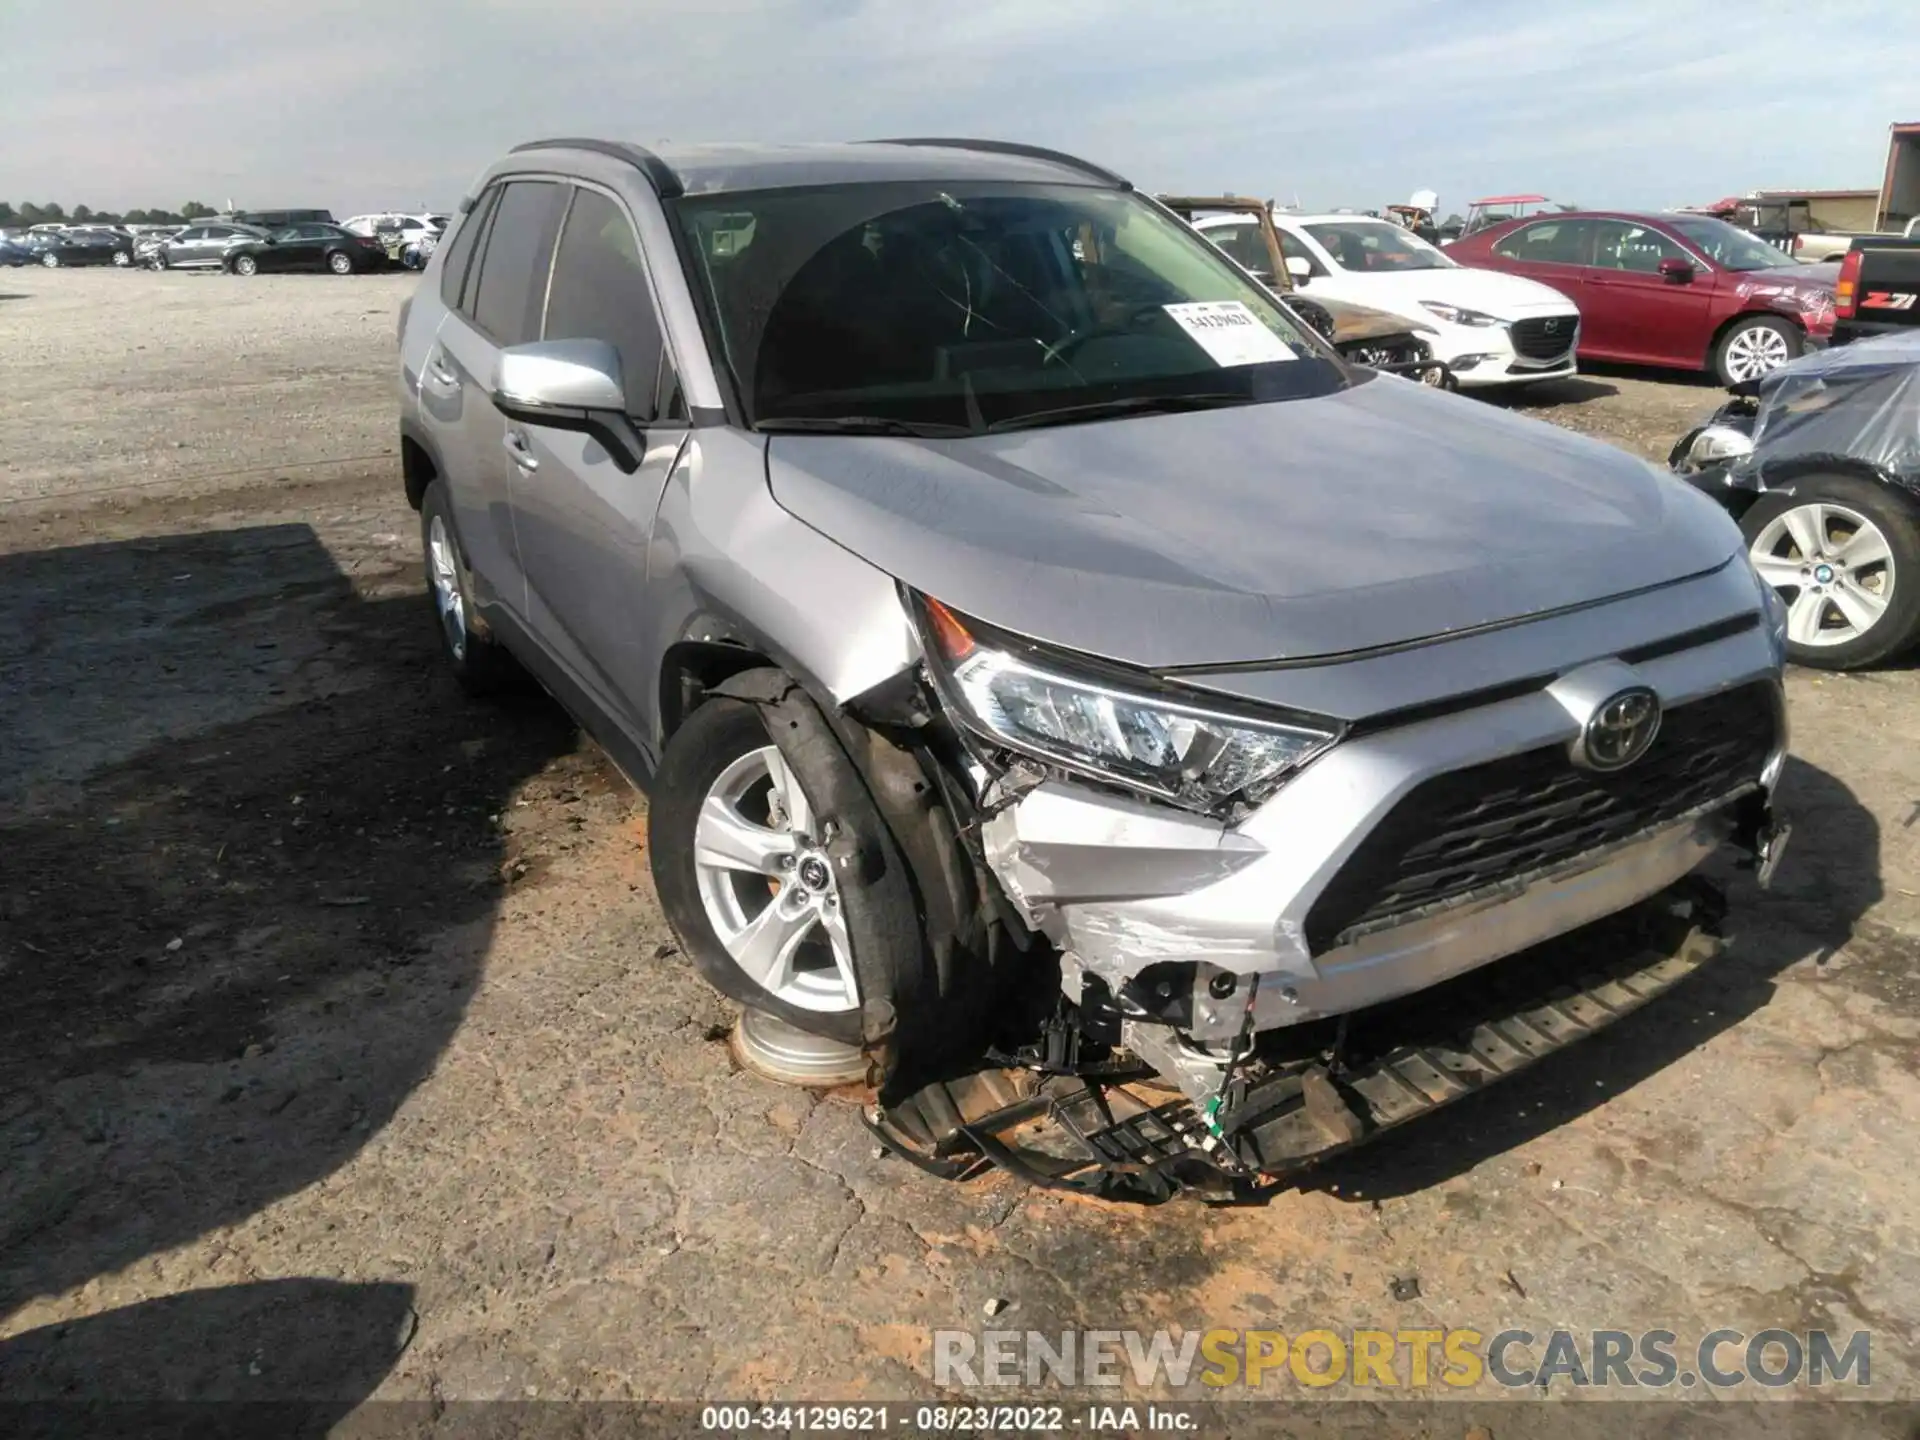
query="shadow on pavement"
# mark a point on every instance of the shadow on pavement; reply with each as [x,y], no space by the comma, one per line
[1548,394]
[1827,881]
[247,881]
[280,1357]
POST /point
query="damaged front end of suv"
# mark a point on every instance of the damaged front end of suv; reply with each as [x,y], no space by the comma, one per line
[1151,750]
[1239,780]
[1278,933]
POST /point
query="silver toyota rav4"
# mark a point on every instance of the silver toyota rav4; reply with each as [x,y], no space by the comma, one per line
[1060,680]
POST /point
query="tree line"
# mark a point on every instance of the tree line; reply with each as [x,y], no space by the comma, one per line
[31,214]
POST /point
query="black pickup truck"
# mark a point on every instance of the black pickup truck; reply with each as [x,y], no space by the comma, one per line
[1878,291]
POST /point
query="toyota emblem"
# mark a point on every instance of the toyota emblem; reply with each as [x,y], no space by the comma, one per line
[1620,729]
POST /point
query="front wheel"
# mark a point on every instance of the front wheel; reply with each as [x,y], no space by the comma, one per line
[122,259]
[340,263]
[1844,554]
[738,828]
[50,260]
[1756,346]
[785,886]
[244,265]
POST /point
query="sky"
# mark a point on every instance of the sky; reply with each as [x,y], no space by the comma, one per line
[361,106]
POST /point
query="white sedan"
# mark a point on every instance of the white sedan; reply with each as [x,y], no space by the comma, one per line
[1490,329]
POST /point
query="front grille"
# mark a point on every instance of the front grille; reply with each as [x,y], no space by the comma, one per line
[1534,340]
[1470,831]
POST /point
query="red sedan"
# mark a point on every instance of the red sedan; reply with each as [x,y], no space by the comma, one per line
[1681,290]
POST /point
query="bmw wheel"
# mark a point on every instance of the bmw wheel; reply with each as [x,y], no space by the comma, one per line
[1843,552]
[340,263]
[244,265]
[122,258]
[50,259]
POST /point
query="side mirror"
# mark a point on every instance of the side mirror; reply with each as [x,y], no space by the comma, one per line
[570,385]
[1300,268]
[1676,271]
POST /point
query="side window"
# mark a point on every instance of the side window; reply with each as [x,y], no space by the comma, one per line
[1244,244]
[1292,247]
[513,268]
[600,292]
[1553,242]
[1625,246]
[453,270]
[192,232]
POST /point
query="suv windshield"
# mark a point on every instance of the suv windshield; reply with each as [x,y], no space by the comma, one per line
[1728,246]
[962,307]
[1371,246]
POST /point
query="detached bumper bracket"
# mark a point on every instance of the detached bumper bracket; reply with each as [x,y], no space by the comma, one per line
[1126,1140]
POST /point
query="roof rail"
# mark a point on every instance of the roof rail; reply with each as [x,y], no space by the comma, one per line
[1011,147]
[659,174]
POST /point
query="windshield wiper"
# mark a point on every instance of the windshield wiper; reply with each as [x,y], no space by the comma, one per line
[858,425]
[1129,405]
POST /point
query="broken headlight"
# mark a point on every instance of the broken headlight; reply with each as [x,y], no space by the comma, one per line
[1170,747]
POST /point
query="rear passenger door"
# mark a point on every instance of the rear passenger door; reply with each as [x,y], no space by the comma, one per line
[583,526]
[493,301]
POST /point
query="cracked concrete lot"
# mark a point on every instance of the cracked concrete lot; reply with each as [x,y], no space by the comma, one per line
[346,1053]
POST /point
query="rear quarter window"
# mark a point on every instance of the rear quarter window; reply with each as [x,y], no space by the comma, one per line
[459,256]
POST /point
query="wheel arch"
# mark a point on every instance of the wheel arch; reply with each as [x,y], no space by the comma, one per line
[1782,477]
[691,670]
[419,462]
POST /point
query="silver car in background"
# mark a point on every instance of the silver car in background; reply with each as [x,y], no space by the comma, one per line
[1063,685]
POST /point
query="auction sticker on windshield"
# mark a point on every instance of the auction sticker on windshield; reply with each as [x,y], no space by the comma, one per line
[1229,332]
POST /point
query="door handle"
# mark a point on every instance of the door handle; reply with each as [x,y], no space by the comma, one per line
[516,444]
[437,368]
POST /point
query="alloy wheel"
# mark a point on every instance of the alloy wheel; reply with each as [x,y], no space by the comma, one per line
[1832,566]
[1755,351]
[443,573]
[767,884]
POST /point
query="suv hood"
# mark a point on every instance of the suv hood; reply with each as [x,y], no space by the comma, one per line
[1379,515]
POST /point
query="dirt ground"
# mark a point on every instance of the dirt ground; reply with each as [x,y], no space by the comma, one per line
[345,1052]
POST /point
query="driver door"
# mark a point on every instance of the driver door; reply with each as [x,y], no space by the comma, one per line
[1630,310]
[583,526]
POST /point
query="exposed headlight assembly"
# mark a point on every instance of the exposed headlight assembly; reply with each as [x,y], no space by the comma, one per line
[1171,747]
[1460,315]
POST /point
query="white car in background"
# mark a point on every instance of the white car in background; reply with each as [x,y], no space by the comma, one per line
[1490,329]
[410,227]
